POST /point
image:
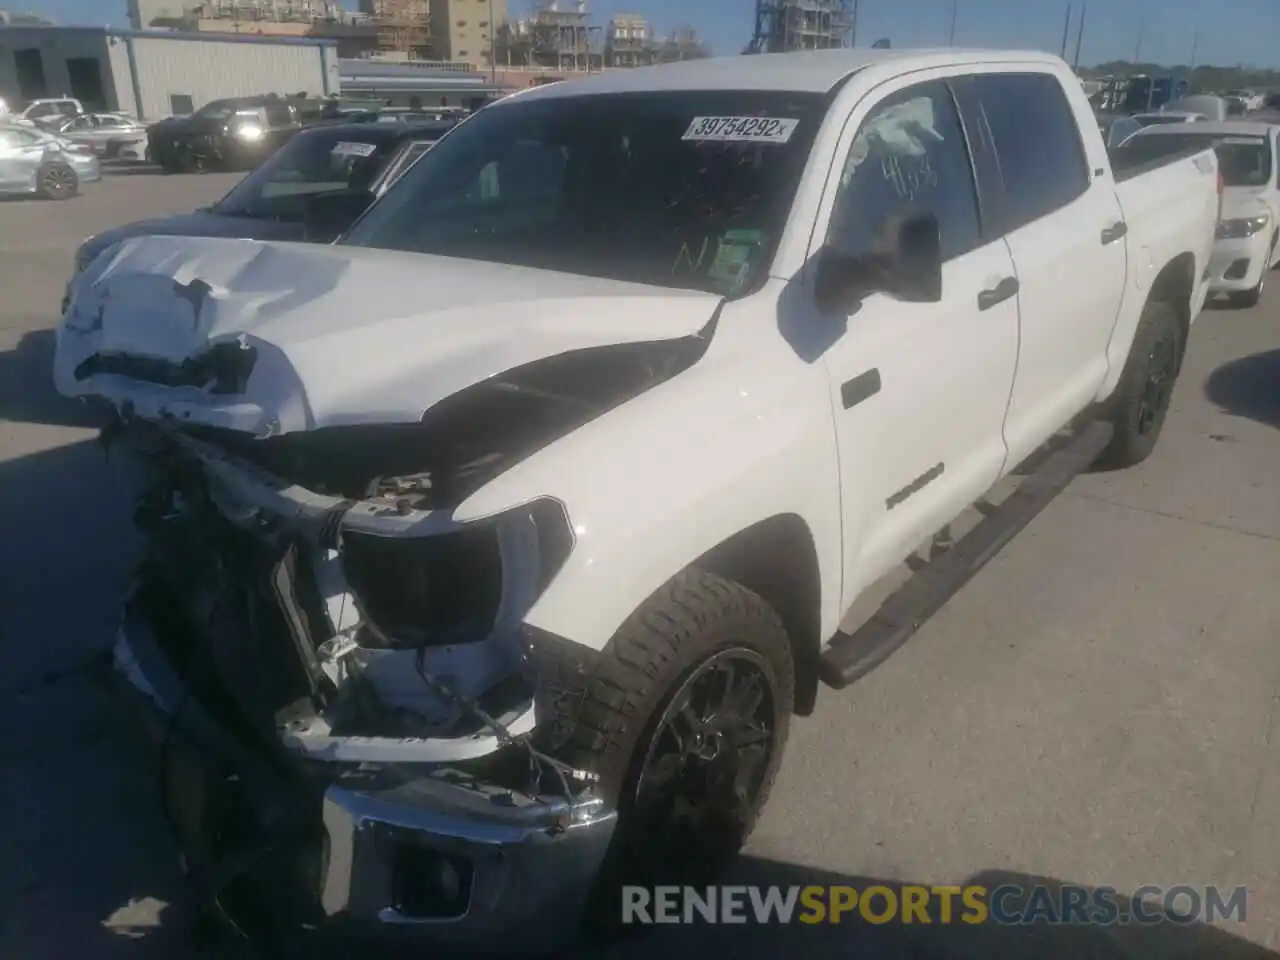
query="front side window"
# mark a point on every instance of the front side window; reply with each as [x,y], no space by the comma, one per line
[684,189]
[26,138]
[320,162]
[909,156]
[1037,141]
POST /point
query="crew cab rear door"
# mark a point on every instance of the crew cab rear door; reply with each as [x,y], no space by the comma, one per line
[919,390]
[1066,231]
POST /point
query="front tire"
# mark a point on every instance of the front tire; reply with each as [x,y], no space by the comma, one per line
[684,722]
[57,181]
[1142,399]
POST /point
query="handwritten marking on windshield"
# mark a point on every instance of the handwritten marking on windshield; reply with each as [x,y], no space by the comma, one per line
[686,254]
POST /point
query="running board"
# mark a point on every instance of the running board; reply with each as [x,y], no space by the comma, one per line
[853,655]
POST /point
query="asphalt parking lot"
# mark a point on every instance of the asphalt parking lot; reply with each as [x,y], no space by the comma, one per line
[1098,708]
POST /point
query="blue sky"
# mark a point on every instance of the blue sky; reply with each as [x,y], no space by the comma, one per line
[1231,31]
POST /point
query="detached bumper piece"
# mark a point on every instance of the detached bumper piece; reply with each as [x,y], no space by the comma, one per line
[284,851]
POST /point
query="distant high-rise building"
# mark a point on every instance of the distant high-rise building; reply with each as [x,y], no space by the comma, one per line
[465,30]
[786,25]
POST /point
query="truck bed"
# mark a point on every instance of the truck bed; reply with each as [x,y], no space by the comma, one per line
[1144,154]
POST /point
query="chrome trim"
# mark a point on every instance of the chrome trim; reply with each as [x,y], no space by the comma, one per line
[533,859]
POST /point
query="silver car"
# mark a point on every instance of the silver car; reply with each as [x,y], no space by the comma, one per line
[44,165]
[105,133]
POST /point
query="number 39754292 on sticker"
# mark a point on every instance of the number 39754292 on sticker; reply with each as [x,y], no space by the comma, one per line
[742,129]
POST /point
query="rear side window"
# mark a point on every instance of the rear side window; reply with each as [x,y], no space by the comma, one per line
[1037,142]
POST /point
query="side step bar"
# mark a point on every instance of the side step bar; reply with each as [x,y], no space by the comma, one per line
[853,655]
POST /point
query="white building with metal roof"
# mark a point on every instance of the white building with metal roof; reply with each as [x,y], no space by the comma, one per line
[153,74]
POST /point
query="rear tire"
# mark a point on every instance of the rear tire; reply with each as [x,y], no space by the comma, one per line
[684,722]
[186,161]
[1142,398]
[57,181]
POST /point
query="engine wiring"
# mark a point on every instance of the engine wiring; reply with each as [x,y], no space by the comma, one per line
[538,761]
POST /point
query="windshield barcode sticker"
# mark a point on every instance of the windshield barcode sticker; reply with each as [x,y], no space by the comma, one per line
[742,129]
[1244,141]
[347,149]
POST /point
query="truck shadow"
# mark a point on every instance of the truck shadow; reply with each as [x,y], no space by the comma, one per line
[1248,387]
[90,871]
[27,394]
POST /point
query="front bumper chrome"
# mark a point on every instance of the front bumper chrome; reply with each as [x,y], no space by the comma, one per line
[511,872]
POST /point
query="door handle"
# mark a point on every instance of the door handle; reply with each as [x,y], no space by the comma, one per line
[1002,291]
[1114,232]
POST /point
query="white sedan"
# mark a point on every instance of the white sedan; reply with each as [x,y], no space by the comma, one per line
[1249,162]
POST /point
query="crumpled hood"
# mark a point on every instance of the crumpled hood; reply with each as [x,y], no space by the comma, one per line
[336,335]
[199,224]
[1240,202]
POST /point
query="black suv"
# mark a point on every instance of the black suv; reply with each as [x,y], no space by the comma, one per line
[233,134]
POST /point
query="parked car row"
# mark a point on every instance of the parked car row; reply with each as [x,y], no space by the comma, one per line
[240,133]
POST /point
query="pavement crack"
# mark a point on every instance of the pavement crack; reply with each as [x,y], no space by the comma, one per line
[1168,515]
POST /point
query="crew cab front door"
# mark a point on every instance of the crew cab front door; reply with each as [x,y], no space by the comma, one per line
[919,390]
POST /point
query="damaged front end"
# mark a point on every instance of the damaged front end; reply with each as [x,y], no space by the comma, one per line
[352,692]
[344,663]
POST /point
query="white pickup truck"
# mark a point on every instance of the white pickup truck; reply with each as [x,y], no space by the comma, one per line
[494,547]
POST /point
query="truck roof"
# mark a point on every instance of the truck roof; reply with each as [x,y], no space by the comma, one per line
[1228,128]
[816,71]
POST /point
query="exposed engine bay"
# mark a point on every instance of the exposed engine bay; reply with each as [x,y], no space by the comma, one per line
[314,589]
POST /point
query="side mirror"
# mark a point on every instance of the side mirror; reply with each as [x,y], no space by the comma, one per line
[905,261]
[326,216]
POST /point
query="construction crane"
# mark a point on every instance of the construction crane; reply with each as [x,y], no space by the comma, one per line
[786,25]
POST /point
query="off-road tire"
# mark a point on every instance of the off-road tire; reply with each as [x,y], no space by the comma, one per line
[1158,331]
[57,181]
[693,617]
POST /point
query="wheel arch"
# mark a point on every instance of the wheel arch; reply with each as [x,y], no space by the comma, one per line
[778,559]
[1175,284]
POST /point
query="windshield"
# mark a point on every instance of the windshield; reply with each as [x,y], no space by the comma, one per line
[681,189]
[216,110]
[1243,161]
[317,162]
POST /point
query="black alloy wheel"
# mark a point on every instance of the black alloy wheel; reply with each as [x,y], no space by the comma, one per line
[705,766]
